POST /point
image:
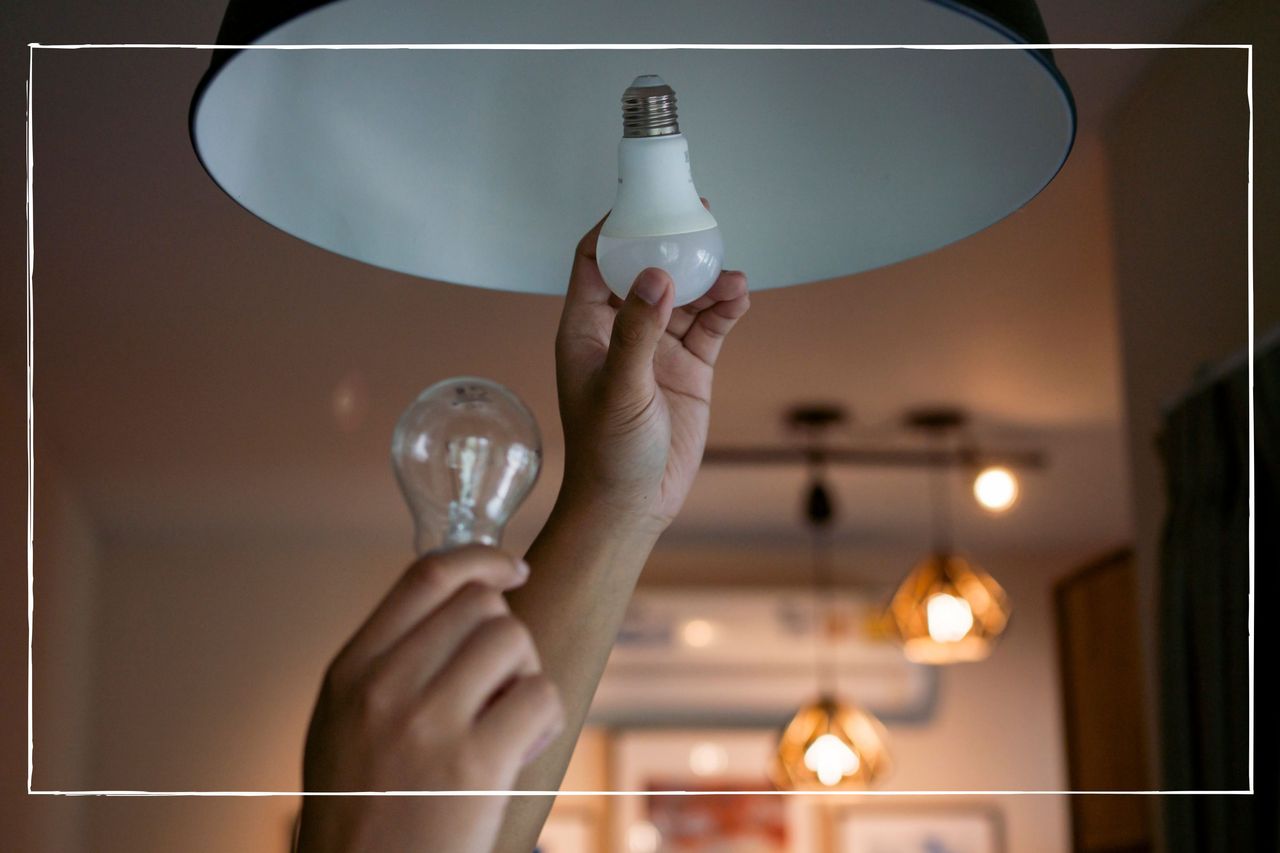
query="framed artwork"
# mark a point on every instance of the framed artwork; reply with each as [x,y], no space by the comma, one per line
[927,828]
[745,822]
[695,761]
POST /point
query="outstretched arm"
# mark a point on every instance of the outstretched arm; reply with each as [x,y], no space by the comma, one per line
[634,379]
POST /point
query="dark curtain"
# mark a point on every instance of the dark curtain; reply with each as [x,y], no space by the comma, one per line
[1204,650]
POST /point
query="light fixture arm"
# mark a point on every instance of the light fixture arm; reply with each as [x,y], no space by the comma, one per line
[878,457]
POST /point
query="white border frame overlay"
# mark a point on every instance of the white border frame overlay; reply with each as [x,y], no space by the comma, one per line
[33,47]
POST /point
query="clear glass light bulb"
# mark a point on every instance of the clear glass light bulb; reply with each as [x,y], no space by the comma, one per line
[657,219]
[949,617]
[996,488]
[466,453]
[831,759]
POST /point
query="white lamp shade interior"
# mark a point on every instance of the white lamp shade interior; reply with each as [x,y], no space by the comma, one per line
[484,167]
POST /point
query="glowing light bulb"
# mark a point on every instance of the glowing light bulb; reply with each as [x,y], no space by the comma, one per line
[698,633]
[831,759]
[658,219]
[996,488]
[466,453]
[949,617]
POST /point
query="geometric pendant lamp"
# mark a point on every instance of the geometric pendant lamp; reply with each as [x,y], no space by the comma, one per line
[947,610]
[830,746]
[484,166]
[830,743]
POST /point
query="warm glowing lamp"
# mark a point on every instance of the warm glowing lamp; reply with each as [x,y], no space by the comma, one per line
[949,611]
[831,745]
[996,488]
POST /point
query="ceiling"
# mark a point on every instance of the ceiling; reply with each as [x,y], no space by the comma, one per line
[196,369]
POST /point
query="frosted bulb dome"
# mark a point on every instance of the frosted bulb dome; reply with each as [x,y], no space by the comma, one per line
[692,261]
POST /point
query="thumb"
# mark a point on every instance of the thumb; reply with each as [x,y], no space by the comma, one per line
[638,327]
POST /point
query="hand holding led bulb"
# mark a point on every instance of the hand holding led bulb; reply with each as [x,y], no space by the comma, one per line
[635,387]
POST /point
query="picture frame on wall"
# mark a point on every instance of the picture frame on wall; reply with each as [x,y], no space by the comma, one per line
[924,828]
[733,807]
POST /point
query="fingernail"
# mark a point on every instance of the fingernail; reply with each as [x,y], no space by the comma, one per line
[522,568]
[650,286]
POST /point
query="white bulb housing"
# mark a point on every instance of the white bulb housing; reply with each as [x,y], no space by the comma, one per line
[658,220]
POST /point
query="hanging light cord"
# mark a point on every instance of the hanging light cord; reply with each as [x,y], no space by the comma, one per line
[823,587]
[941,505]
[819,511]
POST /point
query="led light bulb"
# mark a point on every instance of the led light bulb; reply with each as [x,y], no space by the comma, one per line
[466,453]
[949,618]
[658,219]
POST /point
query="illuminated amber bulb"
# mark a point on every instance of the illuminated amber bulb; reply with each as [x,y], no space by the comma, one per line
[996,488]
[949,617]
[832,759]
[949,611]
[830,744]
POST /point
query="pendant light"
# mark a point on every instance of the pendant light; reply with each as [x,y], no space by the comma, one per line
[484,166]
[829,744]
[947,610]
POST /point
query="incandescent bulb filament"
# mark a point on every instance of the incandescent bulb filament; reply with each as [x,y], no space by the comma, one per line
[466,453]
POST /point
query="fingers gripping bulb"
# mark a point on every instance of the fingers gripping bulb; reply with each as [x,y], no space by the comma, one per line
[658,220]
[466,453]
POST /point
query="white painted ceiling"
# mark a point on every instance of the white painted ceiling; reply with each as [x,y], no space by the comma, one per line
[187,355]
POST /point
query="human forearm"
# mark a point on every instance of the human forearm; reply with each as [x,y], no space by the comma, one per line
[585,564]
[635,392]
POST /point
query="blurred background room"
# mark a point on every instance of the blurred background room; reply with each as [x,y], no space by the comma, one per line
[214,510]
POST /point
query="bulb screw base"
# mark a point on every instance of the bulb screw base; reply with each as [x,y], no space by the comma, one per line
[649,108]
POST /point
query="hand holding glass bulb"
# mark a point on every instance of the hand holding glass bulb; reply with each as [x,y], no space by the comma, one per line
[442,687]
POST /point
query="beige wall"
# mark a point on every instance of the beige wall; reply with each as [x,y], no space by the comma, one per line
[64,553]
